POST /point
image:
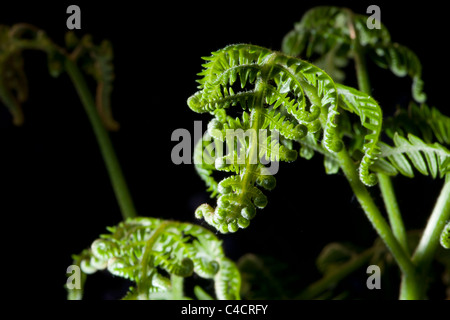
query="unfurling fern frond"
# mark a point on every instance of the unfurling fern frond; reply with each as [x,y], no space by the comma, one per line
[96,59]
[423,121]
[330,33]
[371,118]
[151,252]
[13,82]
[284,100]
[412,152]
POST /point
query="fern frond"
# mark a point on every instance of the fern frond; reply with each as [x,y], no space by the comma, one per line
[412,152]
[282,97]
[371,118]
[402,62]
[423,121]
[96,59]
[13,82]
[146,250]
[227,281]
[326,29]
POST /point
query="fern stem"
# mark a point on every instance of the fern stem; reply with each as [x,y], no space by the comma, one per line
[395,218]
[358,57]
[336,275]
[387,190]
[177,287]
[109,156]
[373,214]
[145,279]
[430,239]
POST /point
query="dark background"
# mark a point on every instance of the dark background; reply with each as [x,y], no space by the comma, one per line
[55,193]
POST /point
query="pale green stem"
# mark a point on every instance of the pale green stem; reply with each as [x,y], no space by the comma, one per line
[395,218]
[414,286]
[177,287]
[109,156]
[373,214]
[145,279]
[426,249]
[429,242]
[387,191]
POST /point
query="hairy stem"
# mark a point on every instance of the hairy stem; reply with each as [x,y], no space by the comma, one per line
[386,188]
[430,239]
[373,214]
[336,275]
[395,218]
[109,156]
[413,288]
[358,57]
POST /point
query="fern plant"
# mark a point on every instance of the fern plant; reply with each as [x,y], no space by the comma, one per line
[154,254]
[303,104]
[266,107]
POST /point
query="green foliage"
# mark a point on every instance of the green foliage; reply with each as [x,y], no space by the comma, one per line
[427,158]
[97,62]
[264,104]
[95,59]
[333,32]
[13,82]
[285,96]
[423,121]
[152,252]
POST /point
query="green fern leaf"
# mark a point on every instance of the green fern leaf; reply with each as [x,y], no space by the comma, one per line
[283,99]
[423,121]
[371,118]
[329,29]
[413,152]
[146,250]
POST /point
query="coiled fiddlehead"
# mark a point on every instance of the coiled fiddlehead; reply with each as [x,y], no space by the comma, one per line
[151,251]
[283,96]
[95,59]
[330,32]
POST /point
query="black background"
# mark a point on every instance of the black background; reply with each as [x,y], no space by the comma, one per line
[55,193]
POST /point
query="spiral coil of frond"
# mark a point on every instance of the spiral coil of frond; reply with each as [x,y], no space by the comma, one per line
[286,99]
[150,251]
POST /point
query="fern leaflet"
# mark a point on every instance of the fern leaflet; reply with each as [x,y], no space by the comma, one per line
[147,250]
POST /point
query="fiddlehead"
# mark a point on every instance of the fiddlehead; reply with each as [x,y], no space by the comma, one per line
[371,118]
[97,62]
[330,32]
[283,96]
[149,251]
[95,59]
[13,82]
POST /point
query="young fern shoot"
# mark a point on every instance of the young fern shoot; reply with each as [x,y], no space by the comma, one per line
[283,95]
[153,252]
